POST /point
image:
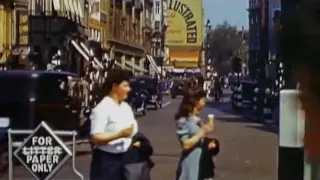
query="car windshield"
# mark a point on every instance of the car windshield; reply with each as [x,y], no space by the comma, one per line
[52,89]
[14,89]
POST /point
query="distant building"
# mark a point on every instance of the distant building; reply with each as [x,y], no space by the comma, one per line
[159,25]
[128,42]
[6,30]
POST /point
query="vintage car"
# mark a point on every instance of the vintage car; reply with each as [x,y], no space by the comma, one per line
[137,99]
[178,88]
[150,87]
[29,97]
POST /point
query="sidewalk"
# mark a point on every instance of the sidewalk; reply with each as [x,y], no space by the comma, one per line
[223,110]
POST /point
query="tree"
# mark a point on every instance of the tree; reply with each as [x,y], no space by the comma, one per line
[225,41]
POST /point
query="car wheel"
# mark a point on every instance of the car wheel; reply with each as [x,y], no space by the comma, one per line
[156,106]
[144,111]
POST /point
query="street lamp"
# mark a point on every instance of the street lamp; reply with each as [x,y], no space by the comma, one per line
[206,45]
[163,36]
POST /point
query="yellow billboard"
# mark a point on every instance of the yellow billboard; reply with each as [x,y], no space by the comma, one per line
[185,21]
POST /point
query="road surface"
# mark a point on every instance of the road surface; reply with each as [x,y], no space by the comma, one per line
[248,150]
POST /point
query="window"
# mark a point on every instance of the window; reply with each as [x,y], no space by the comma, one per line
[157,7]
[157,25]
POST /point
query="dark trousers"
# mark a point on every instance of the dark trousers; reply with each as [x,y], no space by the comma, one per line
[107,166]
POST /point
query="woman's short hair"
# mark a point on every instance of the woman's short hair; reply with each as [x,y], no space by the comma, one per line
[115,77]
[190,98]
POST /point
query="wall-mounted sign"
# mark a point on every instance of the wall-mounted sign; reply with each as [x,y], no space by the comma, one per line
[185,21]
[23,28]
[23,50]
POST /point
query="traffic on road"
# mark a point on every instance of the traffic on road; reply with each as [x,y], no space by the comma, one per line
[154,104]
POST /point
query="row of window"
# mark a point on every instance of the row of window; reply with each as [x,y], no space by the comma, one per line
[254,19]
[52,7]
[254,3]
[157,8]
[125,30]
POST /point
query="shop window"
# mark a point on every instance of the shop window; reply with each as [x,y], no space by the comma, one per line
[157,7]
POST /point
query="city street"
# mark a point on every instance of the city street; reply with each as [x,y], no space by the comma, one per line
[248,150]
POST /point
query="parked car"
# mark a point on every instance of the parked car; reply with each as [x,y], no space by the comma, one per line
[29,97]
[150,87]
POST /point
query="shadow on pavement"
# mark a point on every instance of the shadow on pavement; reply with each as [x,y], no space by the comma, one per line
[266,127]
[165,155]
[224,112]
[224,105]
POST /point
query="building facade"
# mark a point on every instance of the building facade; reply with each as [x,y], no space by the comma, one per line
[127,34]
[159,26]
[70,34]
[184,35]
[7,30]
[49,32]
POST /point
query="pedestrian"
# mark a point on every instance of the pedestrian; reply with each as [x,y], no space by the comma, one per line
[217,89]
[112,127]
[191,132]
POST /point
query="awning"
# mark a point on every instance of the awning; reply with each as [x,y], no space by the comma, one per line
[66,4]
[96,60]
[78,48]
[178,70]
[152,62]
[185,54]
[80,10]
[71,6]
[186,64]
[56,5]
[117,63]
[75,6]
[138,68]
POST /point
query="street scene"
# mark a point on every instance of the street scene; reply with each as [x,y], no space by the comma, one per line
[156,90]
[248,149]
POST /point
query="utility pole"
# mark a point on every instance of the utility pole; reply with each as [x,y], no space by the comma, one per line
[262,58]
[291,152]
[206,47]
[163,36]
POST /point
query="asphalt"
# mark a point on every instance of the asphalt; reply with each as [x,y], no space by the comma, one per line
[248,149]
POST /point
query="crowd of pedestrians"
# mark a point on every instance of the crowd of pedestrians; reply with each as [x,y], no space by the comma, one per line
[121,152]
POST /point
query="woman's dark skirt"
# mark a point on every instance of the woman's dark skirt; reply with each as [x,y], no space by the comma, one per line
[107,166]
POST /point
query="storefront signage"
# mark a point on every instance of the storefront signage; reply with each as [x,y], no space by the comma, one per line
[184,23]
[21,51]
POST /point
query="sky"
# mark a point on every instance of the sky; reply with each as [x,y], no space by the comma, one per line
[233,11]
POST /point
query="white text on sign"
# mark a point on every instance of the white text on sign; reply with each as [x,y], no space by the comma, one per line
[42,155]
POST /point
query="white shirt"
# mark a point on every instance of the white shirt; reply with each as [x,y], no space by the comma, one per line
[110,117]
